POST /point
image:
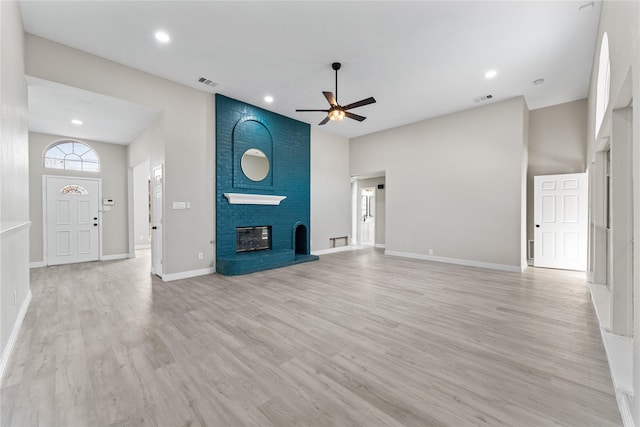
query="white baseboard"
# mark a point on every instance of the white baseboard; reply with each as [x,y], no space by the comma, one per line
[335,250]
[619,352]
[465,262]
[187,274]
[8,350]
[114,257]
[37,264]
[380,245]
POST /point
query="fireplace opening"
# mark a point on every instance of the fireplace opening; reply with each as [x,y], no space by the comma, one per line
[250,239]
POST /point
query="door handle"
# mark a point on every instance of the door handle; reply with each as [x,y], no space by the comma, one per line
[154,228]
[95,218]
[95,224]
[537,225]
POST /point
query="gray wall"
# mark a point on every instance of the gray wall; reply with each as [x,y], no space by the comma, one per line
[184,140]
[557,145]
[330,188]
[113,172]
[454,184]
[14,179]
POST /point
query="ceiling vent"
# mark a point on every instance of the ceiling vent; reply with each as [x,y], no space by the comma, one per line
[483,98]
[206,81]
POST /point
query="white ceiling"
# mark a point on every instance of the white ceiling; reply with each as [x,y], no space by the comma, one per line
[52,106]
[418,59]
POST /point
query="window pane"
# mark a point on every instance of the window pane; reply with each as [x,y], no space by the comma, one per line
[74,165]
[72,155]
[90,156]
[90,167]
[54,163]
[54,153]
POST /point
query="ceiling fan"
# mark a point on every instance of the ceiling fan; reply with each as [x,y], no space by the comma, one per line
[338,112]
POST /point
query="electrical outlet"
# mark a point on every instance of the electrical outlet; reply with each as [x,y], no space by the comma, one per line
[430,251]
[200,255]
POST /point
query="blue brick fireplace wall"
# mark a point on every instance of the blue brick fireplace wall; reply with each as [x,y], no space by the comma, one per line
[286,142]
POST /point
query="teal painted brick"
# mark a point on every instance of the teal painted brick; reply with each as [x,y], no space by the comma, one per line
[286,142]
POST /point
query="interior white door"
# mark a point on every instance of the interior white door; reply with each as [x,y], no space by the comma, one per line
[156,222]
[72,220]
[367,214]
[560,218]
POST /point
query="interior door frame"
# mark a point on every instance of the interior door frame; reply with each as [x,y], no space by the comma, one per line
[45,230]
[154,221]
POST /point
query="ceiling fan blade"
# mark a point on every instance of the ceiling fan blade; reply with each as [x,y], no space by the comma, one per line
[330,98]
[324,111]
[367,101]
[354,116]
[324,122]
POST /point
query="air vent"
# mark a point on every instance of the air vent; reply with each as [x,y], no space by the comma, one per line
[207,82]
[483,98]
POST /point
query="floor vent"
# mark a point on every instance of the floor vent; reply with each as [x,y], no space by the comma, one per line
[207,82]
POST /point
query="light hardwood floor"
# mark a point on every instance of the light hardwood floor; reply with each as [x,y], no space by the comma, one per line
[356,338]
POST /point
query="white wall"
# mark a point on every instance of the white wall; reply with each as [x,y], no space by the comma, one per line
[330,188]
[454,184]
[621,22]
[14,180]
[557,145]
[113,172]
[186,146]
[141,204]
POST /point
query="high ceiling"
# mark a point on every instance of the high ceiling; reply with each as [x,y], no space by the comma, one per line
[418,59]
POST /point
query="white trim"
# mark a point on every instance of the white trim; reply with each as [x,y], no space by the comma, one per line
[8,350]
[7,227]
[619,352]
[334,250]
[144,246]
[114,257]
[253,199]
[465,262]
[380,245]
[188,274]
[37,264]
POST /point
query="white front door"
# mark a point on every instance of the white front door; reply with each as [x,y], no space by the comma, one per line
[560,218]
[156,221]
[72,220]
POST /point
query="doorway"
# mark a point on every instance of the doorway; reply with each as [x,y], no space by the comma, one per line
[367,222]
[72,220]
[157,214]
[561,221]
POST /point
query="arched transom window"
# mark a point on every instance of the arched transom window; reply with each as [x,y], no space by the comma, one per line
[71,155]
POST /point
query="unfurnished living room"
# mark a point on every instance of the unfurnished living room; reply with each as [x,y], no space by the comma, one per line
[319,213]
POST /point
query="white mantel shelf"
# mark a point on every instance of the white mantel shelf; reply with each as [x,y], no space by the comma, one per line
[253,199]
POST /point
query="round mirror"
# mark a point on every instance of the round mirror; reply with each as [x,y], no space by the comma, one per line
[255,164]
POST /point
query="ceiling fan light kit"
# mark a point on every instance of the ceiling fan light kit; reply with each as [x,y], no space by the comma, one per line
[337,111]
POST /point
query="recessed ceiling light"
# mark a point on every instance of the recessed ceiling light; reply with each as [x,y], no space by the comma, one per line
[76,122]
[268,99]
[538,82]
[490,74]
[162,37]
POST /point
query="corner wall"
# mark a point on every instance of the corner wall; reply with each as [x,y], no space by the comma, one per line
[186,148]
[14,181]
[453,185]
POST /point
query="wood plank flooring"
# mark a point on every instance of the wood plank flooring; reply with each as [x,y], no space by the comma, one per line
[355,339]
